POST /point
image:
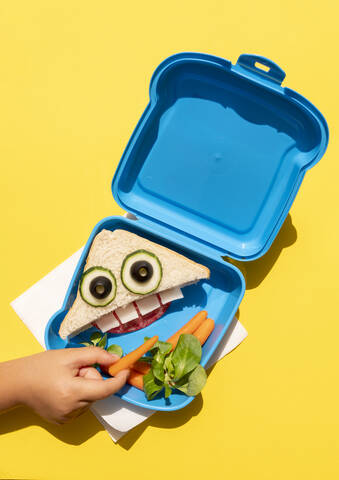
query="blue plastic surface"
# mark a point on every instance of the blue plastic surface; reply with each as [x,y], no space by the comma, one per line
[220,296]
[220,152]
[211,169]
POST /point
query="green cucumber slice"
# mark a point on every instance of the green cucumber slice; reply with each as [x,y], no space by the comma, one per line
[143,285]
[90,276]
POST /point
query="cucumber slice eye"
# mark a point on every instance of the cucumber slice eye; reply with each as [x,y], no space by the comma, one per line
[98,286]
[141,272]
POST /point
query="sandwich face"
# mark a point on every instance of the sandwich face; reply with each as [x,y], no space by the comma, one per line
[128,282]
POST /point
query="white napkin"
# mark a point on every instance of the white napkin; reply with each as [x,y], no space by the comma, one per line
[36,306]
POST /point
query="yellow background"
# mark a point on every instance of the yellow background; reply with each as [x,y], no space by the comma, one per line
[74,79]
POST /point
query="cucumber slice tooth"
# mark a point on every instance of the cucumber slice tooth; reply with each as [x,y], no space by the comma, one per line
[141,272]
[98,286]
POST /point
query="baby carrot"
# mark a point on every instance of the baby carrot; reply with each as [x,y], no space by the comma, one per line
[204,331]
[136,379]
[189,327]
[128,360]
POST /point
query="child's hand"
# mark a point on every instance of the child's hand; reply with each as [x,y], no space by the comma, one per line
[58,384]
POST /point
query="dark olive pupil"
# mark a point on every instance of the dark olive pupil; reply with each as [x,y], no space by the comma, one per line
[100,287]
[141,271]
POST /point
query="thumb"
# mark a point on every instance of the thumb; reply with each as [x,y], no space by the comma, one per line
[95,389]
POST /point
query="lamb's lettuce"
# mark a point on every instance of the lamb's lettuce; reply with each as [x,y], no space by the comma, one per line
[103,342]
[186,356]
[179,369]
[152,386]
[99,340]
[116,349]
[95,338]
[194,382]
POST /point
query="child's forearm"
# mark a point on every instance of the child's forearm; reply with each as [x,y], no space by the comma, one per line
[10,385]
[58,384]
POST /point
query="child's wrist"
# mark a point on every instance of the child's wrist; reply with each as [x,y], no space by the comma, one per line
[14,383]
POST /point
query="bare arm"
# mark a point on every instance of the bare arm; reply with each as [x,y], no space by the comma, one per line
[58,384]
[9,392]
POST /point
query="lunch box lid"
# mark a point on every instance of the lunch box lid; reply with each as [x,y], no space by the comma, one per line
[220,152]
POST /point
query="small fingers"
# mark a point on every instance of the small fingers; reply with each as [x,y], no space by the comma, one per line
[95,389]
[90,373]
[82,357]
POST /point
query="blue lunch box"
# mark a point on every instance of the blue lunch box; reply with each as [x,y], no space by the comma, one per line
[211,169]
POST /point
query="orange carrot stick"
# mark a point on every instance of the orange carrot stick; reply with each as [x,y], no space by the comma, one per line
[204,331]
[136,379]
[189,327]
[128,360]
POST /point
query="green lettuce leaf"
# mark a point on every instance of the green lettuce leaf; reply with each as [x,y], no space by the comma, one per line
[152,386]
[95,338]
[158,367]
[162,347]
[168,366]
[116,349]
[186,355]
[168,390]
[103,341]
[193,383]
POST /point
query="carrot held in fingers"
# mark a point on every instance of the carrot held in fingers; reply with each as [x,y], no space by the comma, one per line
[189,327]
[204,331]
[128,360]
